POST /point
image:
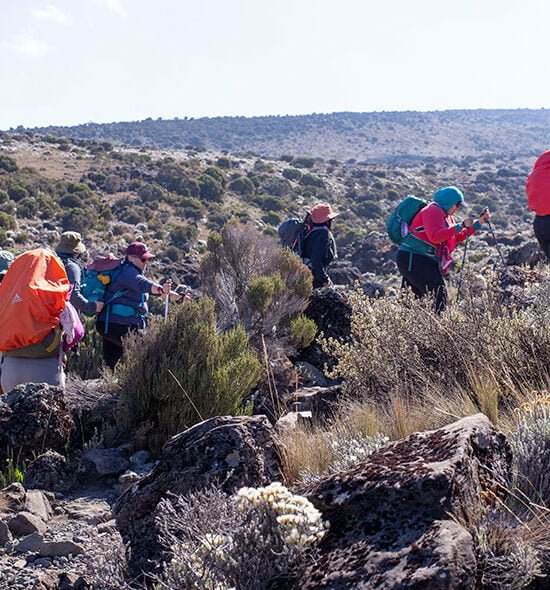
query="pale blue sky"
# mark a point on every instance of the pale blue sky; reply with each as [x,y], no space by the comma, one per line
[74,61]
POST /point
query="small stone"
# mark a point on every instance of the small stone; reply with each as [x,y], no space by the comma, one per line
[104,462]
[139,458]
[36,503]
[30,544]
[26,523]
[5,534]
[60,549]
[20,563]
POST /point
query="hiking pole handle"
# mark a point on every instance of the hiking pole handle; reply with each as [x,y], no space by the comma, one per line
[166,305]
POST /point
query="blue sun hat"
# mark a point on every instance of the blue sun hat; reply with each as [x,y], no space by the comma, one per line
[6,258]
[448,196]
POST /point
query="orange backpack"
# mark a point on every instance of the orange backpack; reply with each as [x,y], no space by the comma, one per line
[32,296]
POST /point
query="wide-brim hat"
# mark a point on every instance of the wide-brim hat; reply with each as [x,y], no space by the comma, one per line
[70,242]
[322,213]
[140,250]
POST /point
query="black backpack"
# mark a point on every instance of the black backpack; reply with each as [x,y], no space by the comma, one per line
[293,232]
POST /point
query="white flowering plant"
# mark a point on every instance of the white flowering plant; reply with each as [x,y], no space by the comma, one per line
[244,541]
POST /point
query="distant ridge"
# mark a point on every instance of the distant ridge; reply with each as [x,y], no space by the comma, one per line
[361,136]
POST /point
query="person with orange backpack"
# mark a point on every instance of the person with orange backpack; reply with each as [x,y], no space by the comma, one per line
[424,254]
[35,317]
[538,200]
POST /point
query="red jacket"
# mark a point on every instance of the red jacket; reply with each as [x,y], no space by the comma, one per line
[538,186]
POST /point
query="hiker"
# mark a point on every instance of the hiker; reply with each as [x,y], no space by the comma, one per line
[70,249]
[538,200]
[6,258]
[35,318]
[126,302]
[319,247]
[424,256]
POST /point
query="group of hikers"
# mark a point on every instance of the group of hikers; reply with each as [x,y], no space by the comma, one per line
[43,293]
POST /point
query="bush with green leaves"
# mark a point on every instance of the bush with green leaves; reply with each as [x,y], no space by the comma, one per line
[269,203]
[253,280]
[312,180]
[183,371]
[7,221]
[7,164]
[210,188]
[292,174]
[302,331]
[242,186]
[17,192]
[245,541]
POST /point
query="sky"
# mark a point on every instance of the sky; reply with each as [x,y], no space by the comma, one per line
[65,62]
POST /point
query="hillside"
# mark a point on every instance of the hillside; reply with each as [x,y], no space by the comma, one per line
[172,199]
[358,136]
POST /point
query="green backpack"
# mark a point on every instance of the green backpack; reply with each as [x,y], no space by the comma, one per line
[401,217]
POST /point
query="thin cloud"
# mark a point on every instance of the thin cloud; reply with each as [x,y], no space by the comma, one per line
[27,46]
[115,6]
[53,14]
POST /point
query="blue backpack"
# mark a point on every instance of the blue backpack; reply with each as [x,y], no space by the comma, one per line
[401,217]
[293,232]
[98,275]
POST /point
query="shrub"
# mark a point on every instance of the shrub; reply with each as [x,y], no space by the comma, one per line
[216,174]
[172,252]
[239,255]
[17,193]
[224,162]
[246,541]
[312,180]
[402,345]
[79,219]
[292,174]
[210,188]
[370,209]
[27,207]
[7,221]
[302,162]
[271,218]
[302,331]
[184,371]
[7,164]
[259,293]
[242,186]
[530,442]
[269,203]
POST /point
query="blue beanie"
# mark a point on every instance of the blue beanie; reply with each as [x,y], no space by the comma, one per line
[448,196]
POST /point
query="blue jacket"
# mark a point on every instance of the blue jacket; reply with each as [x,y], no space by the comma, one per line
[130,307]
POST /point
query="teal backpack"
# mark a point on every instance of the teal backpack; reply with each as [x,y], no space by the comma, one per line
[97,276]
[401,217]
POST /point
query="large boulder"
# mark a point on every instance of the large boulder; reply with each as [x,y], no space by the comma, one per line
[228,451]
[529,254]
[34,418]
[375,254]
[395,517]
[330,310]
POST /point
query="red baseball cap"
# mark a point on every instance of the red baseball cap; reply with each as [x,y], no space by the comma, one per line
[140,250]
[322,213]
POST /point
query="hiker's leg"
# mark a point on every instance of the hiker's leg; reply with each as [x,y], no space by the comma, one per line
[416,273]
[541,226]
[112,353]
[112,342]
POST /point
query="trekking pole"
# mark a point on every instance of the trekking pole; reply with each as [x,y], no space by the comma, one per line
[461,269]
[496,243]
[166,303]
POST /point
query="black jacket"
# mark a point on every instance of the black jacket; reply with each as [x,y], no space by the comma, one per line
[318,251]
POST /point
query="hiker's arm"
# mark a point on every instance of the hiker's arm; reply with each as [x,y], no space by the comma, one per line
[470,226]
[74,275]
[317,258]
[434,225]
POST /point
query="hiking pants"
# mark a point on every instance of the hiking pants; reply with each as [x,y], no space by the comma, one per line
[423,277]
[541,225]
[20,370]
[112,341]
